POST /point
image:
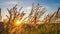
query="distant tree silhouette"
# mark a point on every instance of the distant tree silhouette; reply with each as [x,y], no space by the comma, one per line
[1,27]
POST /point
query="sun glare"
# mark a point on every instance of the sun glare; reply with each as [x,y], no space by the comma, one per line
[18,22]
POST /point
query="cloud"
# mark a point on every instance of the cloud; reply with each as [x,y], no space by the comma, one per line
[28,8]
[9,2]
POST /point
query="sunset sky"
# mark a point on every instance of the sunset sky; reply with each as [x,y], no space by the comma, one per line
[51,5]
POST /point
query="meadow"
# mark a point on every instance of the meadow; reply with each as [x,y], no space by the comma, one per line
[15,24]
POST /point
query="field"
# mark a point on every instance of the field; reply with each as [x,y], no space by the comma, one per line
[15,24]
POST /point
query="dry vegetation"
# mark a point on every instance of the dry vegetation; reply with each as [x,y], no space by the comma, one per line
[50,24]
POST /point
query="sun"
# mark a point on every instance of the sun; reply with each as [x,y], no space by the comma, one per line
[18,22]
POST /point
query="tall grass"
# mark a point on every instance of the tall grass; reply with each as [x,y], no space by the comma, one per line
[50,24]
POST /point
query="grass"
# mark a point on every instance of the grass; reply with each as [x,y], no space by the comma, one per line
[51,23]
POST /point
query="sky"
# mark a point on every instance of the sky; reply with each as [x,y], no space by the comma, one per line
[50,5]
